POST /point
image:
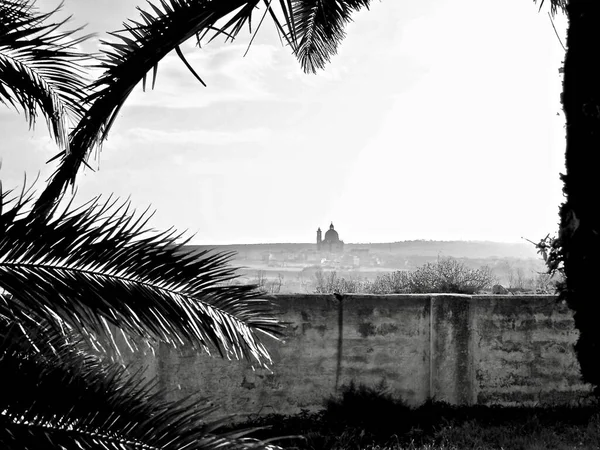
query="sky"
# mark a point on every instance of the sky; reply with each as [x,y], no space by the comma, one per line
[436,120]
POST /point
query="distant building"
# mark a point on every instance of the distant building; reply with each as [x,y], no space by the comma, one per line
[331,243]
[361,255]
[349,260]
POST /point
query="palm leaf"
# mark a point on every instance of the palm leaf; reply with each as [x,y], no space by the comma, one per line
[138,48]
[319,29]
[57,397]
[314,30]
[555,5]
[40,70]
[98,266]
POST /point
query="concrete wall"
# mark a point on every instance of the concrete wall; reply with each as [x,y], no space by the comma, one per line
[457,348]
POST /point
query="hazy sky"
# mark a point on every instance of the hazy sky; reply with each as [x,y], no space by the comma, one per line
[437,119]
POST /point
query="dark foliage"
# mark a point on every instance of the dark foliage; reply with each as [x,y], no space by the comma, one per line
[371,408]
[319,24]
[575,251]
[61,397]
[97,266]
[363,417]
[40,68]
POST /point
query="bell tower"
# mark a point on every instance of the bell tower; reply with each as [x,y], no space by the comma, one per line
[319,239]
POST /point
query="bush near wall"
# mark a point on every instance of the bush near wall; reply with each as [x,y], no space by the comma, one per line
[447,275]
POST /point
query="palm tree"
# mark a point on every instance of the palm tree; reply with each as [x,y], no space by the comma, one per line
[73,280]
[72,277]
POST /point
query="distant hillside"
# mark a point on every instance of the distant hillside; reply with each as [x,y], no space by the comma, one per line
[457,249]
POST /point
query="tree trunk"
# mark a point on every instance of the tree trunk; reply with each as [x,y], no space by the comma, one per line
[579,233]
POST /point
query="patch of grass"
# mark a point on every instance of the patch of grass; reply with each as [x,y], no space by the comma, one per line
[371,418]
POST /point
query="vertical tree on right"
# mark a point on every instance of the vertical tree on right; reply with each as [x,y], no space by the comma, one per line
[578,244]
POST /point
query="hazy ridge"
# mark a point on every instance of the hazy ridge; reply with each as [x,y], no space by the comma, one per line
[457,249]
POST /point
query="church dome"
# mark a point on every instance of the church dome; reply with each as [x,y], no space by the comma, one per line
[332,235]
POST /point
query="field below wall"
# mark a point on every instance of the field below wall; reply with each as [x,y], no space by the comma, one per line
[367,418]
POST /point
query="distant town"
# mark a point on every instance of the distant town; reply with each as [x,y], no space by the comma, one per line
[296,263]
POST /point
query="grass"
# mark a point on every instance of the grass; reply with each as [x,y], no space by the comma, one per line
[372,419]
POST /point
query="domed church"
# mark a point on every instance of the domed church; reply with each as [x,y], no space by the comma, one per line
[331,243]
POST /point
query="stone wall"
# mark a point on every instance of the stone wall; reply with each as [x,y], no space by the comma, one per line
[456,348]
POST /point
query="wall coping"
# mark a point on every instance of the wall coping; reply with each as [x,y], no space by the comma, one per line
[403,296]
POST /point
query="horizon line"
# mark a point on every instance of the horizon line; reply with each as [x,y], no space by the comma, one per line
[481,241]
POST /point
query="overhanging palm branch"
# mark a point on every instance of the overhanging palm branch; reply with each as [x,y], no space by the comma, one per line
[313,29]
[57,397]
[97,267]
[319,27]
[139,49]
[555,5]
[40,69]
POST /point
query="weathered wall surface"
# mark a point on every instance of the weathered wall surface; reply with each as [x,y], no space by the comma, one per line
[457,348]
[523,349]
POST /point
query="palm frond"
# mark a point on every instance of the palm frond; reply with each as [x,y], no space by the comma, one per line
[319,29]
[314,30]
[555,5]
[70,400]
[40,69]
[138,49]
[98,266]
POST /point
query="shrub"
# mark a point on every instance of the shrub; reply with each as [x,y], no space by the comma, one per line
[450,276]
[398,282]
[374,410]
[445,276]
[268,286]
[331,282]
